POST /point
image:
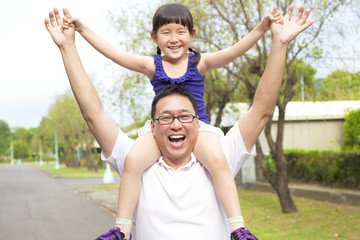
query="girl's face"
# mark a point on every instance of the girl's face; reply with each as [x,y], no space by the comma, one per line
[173,40]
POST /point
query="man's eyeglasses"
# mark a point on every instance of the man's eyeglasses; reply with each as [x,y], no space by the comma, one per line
[185,118]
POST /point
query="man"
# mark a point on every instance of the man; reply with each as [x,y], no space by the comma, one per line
[177,198]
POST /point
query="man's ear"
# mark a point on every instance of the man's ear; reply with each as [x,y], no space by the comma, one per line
[154,37]
[152,126]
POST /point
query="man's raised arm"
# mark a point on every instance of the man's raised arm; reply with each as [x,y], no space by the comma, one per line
[99,122]
[267,92]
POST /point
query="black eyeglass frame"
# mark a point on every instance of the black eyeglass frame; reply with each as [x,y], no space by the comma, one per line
[173,118]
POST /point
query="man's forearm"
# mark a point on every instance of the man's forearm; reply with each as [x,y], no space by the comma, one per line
[270,83]
[82,87]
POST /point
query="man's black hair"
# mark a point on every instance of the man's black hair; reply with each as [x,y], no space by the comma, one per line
[173,89]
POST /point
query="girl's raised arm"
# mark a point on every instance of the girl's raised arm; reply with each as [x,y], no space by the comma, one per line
[141,64]
[214,60]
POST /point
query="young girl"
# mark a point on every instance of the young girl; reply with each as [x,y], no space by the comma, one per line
[176,63]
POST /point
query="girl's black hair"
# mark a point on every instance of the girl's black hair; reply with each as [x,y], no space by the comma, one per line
[174,13]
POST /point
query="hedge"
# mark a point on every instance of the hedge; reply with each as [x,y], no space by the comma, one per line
[330,168]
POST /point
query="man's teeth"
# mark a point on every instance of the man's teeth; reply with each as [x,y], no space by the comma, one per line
[176,136]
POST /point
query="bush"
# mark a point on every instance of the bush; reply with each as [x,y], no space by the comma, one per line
[352,130]
[326,167]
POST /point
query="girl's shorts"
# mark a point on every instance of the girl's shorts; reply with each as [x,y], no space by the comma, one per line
[203,127]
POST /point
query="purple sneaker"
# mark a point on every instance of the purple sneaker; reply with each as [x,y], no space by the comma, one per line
[113,234]
[242,234]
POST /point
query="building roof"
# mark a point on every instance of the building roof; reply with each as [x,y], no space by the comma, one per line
[296,111]
[317,110]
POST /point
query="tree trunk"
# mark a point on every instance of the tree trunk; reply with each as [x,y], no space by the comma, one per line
[219,114]
[279,178]
[282,187]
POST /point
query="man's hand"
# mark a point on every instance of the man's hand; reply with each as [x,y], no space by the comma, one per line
[289,29]
[60,35]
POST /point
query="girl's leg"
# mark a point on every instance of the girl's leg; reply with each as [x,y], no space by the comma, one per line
[142,155]
[209,152]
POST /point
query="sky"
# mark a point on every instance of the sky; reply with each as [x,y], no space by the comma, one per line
[32,72]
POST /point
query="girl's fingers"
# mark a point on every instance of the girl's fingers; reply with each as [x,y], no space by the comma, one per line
[66,13]
[274,11]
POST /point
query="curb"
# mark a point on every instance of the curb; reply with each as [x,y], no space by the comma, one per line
[335,195]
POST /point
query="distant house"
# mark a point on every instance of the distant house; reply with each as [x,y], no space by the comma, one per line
[313,125]
[308,125]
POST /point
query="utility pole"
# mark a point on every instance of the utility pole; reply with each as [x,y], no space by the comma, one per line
[11,152]
[41,156]
[57,166]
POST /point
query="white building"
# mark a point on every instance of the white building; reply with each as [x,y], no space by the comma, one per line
[308,125]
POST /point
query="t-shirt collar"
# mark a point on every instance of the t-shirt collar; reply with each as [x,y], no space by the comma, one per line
[187,165]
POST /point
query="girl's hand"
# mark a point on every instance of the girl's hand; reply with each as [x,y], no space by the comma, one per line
[273,17]
[289,29]
[69,20]
[60,35]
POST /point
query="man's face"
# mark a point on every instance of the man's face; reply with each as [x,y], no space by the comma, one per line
[176,140]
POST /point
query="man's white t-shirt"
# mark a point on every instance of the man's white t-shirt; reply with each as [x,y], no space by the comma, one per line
[180,204]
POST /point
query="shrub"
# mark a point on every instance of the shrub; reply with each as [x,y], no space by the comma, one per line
[352,130]
[326,167]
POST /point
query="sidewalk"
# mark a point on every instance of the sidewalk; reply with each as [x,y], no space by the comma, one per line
[320,193]
[107,200]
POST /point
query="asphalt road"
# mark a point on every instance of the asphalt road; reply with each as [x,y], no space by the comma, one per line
[36,206]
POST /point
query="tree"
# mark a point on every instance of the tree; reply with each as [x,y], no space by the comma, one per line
[220,24]
[352,130]
[5,138]
[21,142]
[65,120]
[132,91]
[340,85]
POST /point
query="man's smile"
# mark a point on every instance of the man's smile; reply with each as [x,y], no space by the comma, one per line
[176,140]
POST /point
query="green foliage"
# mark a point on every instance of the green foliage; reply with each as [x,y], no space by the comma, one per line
[339,85]
[5,136]
[330,168]
[21,143]
[352,130]
[131,94]
[270,164]
[306,73]
[66,121]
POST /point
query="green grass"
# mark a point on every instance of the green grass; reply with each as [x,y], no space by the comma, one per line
[314,220]
[106,187]
[80,172]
